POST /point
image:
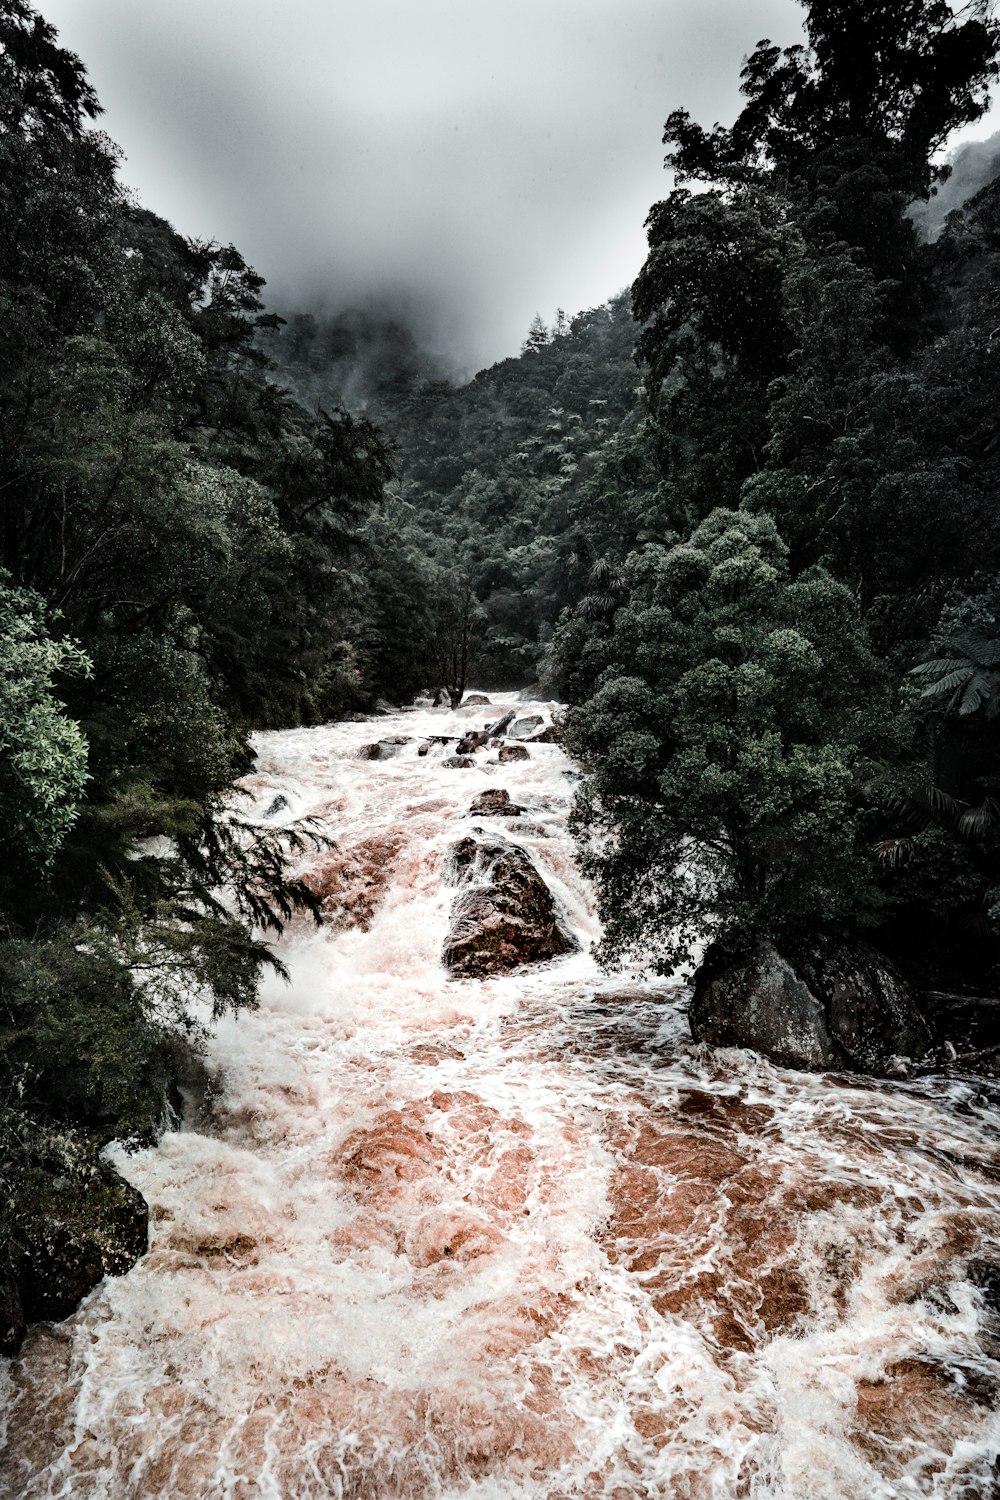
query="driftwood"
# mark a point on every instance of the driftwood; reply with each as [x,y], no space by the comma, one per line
[480,737]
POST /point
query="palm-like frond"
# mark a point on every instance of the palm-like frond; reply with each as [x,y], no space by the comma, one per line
[965,681]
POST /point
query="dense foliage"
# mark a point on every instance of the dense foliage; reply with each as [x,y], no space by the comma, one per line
[735,709]
[815,370]
[503,486]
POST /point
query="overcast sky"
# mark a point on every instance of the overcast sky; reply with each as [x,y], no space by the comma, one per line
[474,160]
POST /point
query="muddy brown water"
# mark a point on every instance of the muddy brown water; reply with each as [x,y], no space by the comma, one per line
[519,1237]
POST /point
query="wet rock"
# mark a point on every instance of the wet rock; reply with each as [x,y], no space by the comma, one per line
[513,752]
[85,1222]
[383,706]
[494,802]
[505,917]
[458,762]
[525,728]
[383,749]
[424,748]
[278,804]
[470,744]
[548,736]
[475,700]
[835,1005]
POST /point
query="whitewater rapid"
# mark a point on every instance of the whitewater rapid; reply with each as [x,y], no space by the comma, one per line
[477,1239]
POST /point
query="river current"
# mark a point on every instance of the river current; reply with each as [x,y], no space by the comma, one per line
[475,1239]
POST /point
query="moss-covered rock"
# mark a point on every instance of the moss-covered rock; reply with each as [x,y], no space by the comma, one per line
[68,1220]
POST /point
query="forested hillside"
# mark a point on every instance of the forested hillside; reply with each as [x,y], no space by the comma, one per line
[508,488]
[788,702]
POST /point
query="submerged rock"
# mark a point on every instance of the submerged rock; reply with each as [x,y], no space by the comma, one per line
[72,1227]
[351,881]
[506,916]
[383,749]
[837,1005]
[495,802]
[458,762]
[513,752]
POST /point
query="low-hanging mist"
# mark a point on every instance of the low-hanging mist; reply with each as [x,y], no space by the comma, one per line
[469,164]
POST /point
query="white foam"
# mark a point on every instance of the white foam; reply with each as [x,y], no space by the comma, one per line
[519,1237]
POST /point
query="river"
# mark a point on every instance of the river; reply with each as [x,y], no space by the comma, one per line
[520,1237]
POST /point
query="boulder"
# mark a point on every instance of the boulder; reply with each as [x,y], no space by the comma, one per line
[548,736]
[513,752]
[458,762]
[835,1005]
[85,1223]
[475,700]
[494,802]
[524,729]
[505,916]
[499,727]
[383,749]
[383,706]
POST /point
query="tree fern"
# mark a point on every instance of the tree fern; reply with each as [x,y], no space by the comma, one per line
[965,681]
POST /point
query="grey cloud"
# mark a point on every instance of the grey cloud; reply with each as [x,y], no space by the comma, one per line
[469,160]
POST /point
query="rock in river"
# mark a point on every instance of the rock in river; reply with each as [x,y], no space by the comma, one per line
[505,916]
[494,802]
[833,1006]
[383,749]
[85,1223]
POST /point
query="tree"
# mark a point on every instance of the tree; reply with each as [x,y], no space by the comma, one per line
[43,754]
[537,337]
[898,75]
[725,749]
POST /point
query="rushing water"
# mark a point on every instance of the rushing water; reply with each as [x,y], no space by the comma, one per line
[519,1237]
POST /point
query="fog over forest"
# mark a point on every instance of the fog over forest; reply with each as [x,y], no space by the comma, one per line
[460,165]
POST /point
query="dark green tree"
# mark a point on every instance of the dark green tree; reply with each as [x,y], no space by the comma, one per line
[726,749]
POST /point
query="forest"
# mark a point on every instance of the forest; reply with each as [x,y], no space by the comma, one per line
[741,520]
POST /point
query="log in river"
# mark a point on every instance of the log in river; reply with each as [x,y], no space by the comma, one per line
[418,1236]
